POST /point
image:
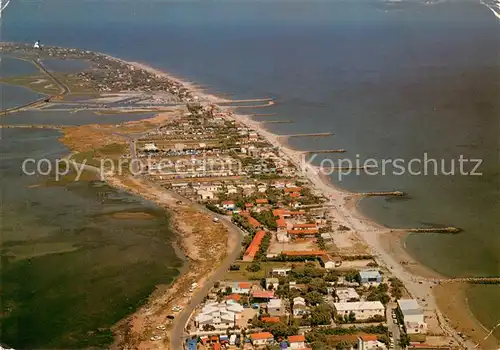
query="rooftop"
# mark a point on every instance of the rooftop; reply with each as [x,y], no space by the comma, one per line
[409,307]
[296,338]
[260,336]
[359,305]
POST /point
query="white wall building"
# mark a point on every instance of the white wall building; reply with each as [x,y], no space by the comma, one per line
[346,294]
[219,315]
[275,307]
[413,316]
[362,310]
[299,307]
[370,342]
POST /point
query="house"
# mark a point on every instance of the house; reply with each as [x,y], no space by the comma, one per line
[231,189]
[303,232]
[272,282]
[205,195]
[275,307]
[304,226]
[413,316]
[228,205]
[282,271]
[331,263]
[261,201]
[370,342]
[299,307]
[281,225]
[362,310]
[297,341]
[371,277]
[254,246]
[263,338]
[150,147]
[343,295]
[241,287]
[221,316]
[263,295]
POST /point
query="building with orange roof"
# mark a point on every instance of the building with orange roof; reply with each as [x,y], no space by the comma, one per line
[248,205]
[254,222]
[297,341]
[368,342]
[270,319]
[263,338]
[256,294]
[261,201]
[254,246]
[293,189]
[216,346]
[235,297]
[294,195]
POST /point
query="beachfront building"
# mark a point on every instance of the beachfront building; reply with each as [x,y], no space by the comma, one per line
[344,295]
[371,277]
[260,339]
[228,205]
[362,310]
[413,316]
[220,316]
[370,342]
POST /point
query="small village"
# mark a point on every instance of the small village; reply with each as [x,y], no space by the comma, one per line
[302,280]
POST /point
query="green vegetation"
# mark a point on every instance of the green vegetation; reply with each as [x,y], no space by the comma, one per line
[37,83]
[396,288]
[379,293]
[266,218]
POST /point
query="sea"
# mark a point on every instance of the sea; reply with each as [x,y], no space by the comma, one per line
[401,79]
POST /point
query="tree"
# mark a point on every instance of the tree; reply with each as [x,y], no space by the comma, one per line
[254,267]
[314,298]
[319,345]
[282,330]
[321,315]
[318,285]
[352,317]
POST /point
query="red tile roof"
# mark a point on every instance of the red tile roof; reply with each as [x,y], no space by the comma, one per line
[248,205]
[261,201]
[216,346]
[299,212]
[368,337]
[281,222]
[305,253]
[263,295]
[295,195]
[253,222]
[292,189]
[270,319]
[260,336]
[245,285]
[254,246]
[235,297]
[228,202]
[296,338]
[278,212]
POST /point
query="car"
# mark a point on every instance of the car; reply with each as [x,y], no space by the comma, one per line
[216,219]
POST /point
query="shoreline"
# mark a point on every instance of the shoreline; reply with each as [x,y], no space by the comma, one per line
[346,206]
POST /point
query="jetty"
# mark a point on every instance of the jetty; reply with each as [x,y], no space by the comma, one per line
[277,122]
[340,150]
[472,280]
[382,194]
[449,229]
[317,134]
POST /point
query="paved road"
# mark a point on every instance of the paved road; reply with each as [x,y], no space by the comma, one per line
[394,328]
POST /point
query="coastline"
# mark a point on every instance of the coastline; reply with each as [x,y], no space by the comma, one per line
[387,247]
[416,278]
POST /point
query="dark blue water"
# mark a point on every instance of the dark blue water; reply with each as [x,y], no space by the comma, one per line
[390,80]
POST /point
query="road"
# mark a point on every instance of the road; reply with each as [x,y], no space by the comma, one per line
[394,328]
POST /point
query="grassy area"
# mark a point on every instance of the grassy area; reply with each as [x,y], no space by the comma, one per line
[37,83]
[74,84]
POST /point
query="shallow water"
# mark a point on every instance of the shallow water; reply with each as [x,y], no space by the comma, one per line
[65,255]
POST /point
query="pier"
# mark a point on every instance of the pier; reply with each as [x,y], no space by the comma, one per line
[277,122]
[382,194]
[317,134]
[340,150]
[472,280]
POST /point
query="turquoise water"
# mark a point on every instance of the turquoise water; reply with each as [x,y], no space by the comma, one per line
[390,80]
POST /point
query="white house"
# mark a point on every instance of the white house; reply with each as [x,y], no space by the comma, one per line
[297,341]
[219,315]
[362,310]
[370,342]
[371,277]
[413,316]
[206,195]
[263,338]
[241,287]
[149,147]
[346,294]
[275,307]
[228,205]
[283,271]
[299,307]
